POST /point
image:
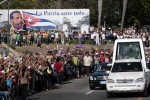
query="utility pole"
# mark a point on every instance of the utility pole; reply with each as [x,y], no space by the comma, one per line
[8,4]
[8,11]
[124,12]
[58,7]
[100,3]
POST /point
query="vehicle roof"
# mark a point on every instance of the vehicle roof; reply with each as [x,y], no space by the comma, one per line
[128,40]
[128,60]
[3,92]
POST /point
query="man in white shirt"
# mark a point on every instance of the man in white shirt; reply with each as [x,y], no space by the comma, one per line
[103,38]
[97,38]
[92,38]
[66,36]
[56,36]
[87,61]
[52,35]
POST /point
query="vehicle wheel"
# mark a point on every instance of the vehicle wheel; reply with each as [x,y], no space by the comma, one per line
[145,93]
[92,88]
[109,95]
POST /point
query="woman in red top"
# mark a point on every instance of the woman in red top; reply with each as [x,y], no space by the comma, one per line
[58,66]
[102,57]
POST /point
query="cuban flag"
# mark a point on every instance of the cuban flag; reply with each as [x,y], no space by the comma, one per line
[32,21]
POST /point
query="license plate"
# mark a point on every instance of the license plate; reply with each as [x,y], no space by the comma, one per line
[121,89]
[102,82]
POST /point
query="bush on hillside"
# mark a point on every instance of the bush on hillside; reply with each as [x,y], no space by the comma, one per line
[73,42]
[109,42]
[88,42]
[12,46]
[27,52]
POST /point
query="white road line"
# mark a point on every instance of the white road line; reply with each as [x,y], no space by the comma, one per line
[90,92]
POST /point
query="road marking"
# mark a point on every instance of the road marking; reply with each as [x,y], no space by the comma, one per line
[90,92]
[139,98]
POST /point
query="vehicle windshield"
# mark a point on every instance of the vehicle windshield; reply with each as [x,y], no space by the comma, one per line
[105,67]
[127,50]
[127,67]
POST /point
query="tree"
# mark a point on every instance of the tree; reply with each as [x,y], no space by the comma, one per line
[137,10]
[31,4]
[83,4]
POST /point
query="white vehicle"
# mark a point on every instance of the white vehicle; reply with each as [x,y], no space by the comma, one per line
[130,72]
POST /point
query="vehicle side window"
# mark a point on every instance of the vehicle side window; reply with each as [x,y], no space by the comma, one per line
[8,97]
[148,65]
[1,98]
[11,97]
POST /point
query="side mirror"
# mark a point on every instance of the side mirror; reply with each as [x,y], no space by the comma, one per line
[107,72]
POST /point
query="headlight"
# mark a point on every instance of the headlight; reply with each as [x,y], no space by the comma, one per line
[139,80]
[110,81]
[94,78]
[91,78]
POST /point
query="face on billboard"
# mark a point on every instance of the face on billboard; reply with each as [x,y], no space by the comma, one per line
[16,20]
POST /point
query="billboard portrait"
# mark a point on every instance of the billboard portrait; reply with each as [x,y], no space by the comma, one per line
[16,20]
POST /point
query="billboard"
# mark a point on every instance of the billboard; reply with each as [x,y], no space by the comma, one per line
[43,19]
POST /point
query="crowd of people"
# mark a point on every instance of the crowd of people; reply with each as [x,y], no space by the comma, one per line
[95,36]
[27,38]
[24,74]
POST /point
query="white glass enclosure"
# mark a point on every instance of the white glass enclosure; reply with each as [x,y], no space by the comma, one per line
[128,50]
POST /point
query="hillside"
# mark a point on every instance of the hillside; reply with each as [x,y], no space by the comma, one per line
[45,48]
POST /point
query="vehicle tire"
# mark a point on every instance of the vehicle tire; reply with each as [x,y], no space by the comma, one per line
[109,95]
[92,88]
[145,93]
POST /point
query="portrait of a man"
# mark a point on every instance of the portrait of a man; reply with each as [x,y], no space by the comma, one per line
[16,20]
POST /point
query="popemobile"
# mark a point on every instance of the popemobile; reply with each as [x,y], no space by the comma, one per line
[129,72]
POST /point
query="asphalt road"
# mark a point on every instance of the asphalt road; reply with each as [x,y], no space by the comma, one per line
[78,89]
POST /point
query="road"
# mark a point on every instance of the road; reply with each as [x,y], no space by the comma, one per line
[78,89]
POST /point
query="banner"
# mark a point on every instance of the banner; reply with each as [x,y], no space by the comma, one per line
[45,19]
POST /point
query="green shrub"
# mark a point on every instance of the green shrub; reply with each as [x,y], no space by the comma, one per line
[27,52]
[109,42]
[73,42]
[12,46]
[87,41]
